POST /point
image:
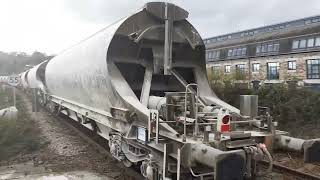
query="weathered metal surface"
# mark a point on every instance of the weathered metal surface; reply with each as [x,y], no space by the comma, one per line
[111,81]
[312,151]
[89,72]
[224,164]
[310,148]
[24,82]
[289,143]
[249,105]
[35,76]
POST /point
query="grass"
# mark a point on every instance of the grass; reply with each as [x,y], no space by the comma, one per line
[18,136]
[6,98]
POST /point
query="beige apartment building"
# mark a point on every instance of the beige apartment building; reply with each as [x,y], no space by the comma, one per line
[288,51]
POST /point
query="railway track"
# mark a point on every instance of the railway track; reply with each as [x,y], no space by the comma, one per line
[277,167]
[96,142]
[99,144]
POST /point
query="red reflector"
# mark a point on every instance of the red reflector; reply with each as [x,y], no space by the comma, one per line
[225,128]
[226,119]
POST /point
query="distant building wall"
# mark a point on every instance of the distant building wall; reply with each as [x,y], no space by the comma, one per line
[270,54]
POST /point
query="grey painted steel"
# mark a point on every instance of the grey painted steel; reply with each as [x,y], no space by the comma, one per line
[144,98]
[87,72]
[312,151]
[24,79]
[289,143]
[310,148]
[34,76]
[249,105]
[221,162]
[112,69]
[156,102]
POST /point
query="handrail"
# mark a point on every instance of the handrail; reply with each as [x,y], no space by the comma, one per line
[200,175]
[196,129]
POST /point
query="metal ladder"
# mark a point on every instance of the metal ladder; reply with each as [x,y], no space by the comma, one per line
[195,110]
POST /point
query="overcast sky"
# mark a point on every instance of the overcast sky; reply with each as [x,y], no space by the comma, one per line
[53,25]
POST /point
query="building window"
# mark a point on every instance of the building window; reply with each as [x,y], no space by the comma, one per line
[317,41]
[255,67]
[240,72]
[235,52]
[267,47]
[292,65]
[313,69]
[303,43]
[276,47]
[270,47]
[306,43]
[258,49]
[244,51]
[240,68]
[210,55]
[263,48]
[295,44]
[215,69]
[273,70]
[238,52]
[227,69]
[217,54]
[310,42]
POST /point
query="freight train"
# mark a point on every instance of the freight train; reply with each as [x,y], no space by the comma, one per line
[141,84]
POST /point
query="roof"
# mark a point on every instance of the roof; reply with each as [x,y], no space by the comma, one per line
[290,28]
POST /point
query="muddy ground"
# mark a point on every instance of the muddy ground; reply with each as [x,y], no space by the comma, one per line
[55,148]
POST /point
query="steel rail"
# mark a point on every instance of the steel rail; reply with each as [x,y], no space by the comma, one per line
[77,128]
[291,171]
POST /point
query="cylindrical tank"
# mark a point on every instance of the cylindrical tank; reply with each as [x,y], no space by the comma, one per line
[24,79]
[249,105]
[107,69]
[3,79]
[36,76]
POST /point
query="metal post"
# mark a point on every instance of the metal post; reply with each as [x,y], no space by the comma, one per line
[34,100]
[178,163]
[14,96]
[196,127]
[157,129]
[144,97]
[164,169]
[185,116]
[149,127]
[168,41]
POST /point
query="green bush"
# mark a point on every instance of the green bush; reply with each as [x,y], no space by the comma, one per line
[17,136]
[297,106]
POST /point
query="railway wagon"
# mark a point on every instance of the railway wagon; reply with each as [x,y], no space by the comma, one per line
[141,84]
[24,81]
[3,79]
